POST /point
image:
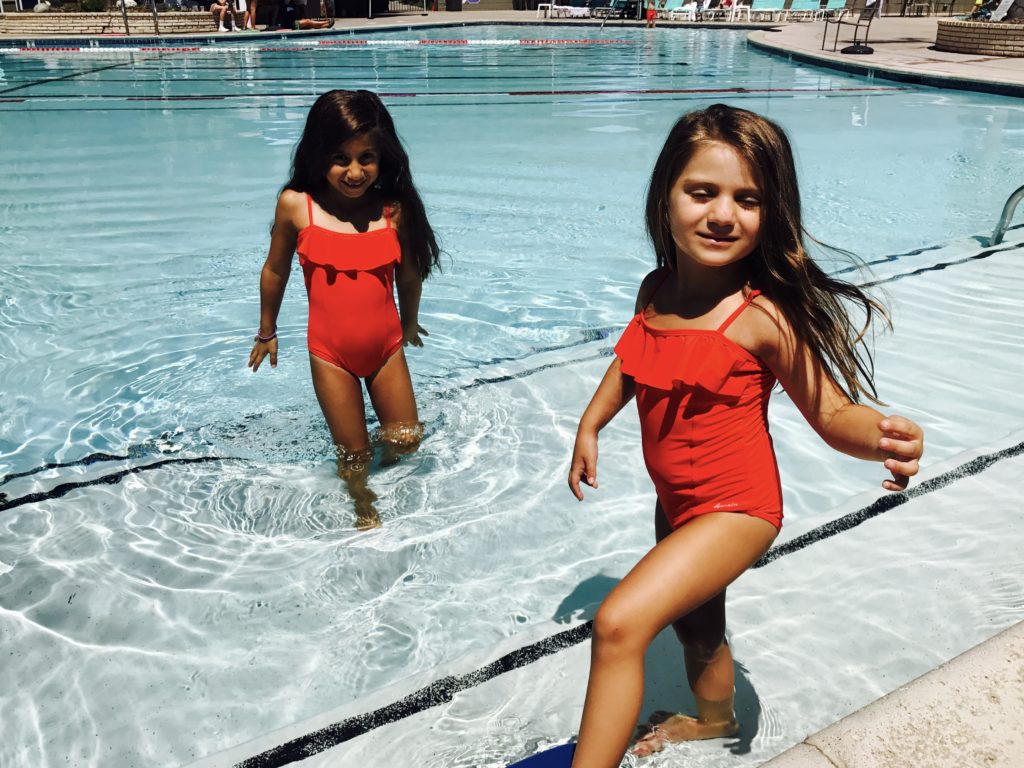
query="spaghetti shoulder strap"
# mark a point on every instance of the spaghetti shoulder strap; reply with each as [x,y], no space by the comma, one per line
[387,216]
[309,207]
[738,311]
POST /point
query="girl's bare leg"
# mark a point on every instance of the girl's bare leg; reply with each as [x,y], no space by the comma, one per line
[709,671]
[341,399]
[682,572]
[393,399]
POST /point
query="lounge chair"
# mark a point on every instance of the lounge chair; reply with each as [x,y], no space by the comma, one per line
[613,9]
[861,26]
[774,9]
[805,10]
[666,8]
[681,10]
[577,9]
[714,10]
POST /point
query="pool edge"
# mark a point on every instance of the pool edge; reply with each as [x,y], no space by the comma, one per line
[959,713]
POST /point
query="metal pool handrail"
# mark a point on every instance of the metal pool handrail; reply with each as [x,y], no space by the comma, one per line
[1004,219]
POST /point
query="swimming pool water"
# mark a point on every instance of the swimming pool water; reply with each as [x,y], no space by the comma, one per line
[175,611]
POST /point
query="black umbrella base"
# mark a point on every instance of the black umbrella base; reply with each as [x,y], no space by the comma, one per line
[858,48]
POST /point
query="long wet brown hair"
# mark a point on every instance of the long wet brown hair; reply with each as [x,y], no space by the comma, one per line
[335,118]
[814,303]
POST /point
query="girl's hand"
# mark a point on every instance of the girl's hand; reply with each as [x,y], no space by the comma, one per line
[584,463]
[412,336]
[903,441]
[260,350]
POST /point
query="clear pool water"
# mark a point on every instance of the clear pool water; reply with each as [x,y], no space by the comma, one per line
[177,610]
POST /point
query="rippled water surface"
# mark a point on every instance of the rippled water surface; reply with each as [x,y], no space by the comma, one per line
[167,608]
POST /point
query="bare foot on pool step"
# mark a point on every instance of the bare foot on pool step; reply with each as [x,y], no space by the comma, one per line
[670,727]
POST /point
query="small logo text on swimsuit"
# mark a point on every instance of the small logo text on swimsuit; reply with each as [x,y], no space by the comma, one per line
[727,505]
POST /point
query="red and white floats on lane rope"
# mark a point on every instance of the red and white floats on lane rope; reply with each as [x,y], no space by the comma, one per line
[302,45]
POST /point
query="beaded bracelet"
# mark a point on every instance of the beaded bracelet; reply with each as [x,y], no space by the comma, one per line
[264,339]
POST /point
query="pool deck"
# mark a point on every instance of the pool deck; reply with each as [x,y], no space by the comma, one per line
[961,713]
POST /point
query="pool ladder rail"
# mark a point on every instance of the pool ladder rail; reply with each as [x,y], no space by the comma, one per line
[1004,219]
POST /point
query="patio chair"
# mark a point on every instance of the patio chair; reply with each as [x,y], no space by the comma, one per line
[836,9]
[862,22]
[805,10]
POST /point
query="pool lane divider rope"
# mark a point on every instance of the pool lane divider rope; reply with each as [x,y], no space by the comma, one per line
[443,691]
[514,94]
[312,45]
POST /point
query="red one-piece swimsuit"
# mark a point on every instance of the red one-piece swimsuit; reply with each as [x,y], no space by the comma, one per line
[350,278]
[703,404]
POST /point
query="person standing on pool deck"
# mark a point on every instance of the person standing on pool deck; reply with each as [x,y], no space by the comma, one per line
[735,305]
[352,213]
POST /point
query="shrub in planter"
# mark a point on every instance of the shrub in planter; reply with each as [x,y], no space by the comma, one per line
[93,6]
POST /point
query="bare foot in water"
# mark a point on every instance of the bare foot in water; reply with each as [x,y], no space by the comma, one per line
[367,521]
[367,517]
[354,469]
[667,727]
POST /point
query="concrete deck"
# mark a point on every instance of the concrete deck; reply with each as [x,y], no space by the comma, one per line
[903,51]
[960,714]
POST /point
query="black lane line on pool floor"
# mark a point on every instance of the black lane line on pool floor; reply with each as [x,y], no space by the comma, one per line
[444,690]
[134,452]
[115,477]
[71,76]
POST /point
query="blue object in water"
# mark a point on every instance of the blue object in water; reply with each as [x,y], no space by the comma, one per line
[556,757]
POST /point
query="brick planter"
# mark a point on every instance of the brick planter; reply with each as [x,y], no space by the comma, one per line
[105,23]
[980,37]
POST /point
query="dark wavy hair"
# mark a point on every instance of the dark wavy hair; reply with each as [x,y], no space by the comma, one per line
[814,303]
[335,118]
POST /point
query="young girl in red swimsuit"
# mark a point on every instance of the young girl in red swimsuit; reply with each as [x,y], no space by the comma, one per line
[352,213]
[735,306]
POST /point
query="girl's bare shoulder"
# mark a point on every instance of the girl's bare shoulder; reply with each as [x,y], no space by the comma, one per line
[394,208]
[291,209]
[648,286]
[765,327]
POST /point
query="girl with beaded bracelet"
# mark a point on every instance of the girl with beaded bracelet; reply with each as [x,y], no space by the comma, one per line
[351,212]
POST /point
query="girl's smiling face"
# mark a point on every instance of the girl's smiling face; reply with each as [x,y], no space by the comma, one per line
[714,208]
[355,167]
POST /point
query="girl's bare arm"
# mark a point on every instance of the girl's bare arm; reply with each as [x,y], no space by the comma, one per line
[615,390]
[855,429]
[410,287]
[275,273]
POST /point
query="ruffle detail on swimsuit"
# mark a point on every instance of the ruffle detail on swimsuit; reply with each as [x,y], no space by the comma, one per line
[684,360]
[348,252]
